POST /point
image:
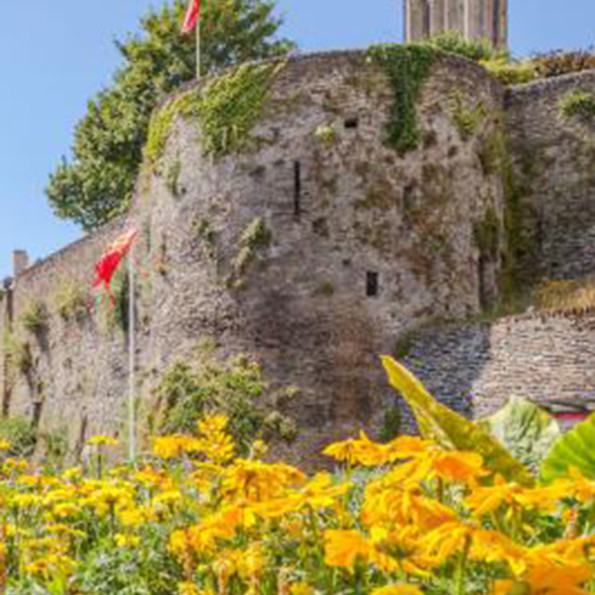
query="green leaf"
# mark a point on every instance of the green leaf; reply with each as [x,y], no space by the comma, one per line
[450,430]
[574,449]
[525,429]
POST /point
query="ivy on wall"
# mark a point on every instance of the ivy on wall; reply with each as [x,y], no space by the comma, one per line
[407,67]
[228,108]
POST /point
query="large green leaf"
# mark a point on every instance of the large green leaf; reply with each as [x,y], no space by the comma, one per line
[450,430]
[527,430]
[574,449]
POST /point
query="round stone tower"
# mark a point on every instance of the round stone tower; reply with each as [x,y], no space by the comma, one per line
[318,244]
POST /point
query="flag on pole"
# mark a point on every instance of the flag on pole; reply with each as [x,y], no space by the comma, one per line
[192,16]
[107,265]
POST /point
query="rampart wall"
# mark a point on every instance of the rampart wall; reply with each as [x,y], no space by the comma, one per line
[554,166]
[475,366]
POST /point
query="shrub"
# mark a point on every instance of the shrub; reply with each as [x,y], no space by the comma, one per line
[579,104]
[34,317]
[558,62]
[70,301]
[472,49]
[234,387]
[511,73]
[21,434]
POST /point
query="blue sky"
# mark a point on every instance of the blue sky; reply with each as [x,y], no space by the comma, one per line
[54,55]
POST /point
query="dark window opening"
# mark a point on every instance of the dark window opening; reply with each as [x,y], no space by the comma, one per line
[297,188]
[371,284]
[351,123]
[409,197]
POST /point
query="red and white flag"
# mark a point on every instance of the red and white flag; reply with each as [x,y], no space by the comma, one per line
[192,16]
[107,265]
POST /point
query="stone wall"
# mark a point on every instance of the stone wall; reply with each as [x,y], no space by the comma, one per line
[361,244]
[474,367]
[554,159]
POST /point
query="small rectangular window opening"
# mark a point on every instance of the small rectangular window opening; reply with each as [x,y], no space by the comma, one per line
[351,123]
[297,188]
[371,284]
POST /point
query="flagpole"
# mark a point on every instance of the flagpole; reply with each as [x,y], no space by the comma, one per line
[131,360]
[198,50]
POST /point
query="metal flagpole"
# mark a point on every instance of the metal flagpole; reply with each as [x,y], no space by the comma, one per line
[198,49]
[131,360]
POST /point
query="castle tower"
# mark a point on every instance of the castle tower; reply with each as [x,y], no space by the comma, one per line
[474,19]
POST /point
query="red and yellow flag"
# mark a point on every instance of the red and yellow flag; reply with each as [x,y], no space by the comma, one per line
[107,265]
[192,16]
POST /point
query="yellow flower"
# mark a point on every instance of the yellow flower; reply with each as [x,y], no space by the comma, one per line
[488,499]
[172,447]
[5,445]
[102,441]
[127,541]
[345,548]
[257,481]
[188,589]
[65,510]
[301,589]
[464,467]
[548,579]
[401,589]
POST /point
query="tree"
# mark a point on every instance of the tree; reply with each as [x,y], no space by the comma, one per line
[97,183]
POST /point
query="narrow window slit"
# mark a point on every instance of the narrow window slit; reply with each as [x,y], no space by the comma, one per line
[351,123]
[371,284]
[297,188]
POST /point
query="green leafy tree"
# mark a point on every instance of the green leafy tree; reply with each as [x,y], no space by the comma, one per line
[97,183]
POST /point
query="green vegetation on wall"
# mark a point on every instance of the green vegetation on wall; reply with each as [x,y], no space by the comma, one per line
[34,317]
[407,67]
[255,238]
[227,108]
[466,119]
[579,104]
[69,300]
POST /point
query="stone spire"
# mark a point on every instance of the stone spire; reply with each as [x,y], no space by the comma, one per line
[474,19]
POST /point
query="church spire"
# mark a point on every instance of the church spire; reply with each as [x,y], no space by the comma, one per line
[473,19]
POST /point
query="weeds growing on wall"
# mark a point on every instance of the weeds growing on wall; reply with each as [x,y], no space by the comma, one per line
[407,67]
[255,237]
[559,62]
[511,72]
[34,317]
[21,435]
[227,107]
[69,300]
[566,296]
[579,104]
[466,119]
[472,49]
[234,387]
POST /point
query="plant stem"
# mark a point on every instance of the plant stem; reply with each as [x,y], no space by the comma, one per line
[460,580]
